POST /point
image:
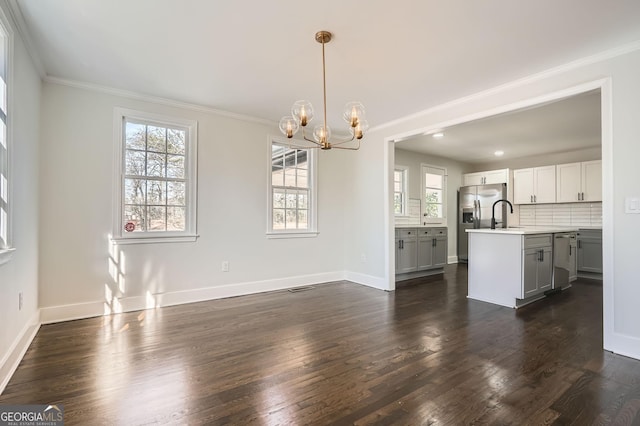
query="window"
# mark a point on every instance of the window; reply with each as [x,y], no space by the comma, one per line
[5,144]
[400,191]
[157,180]
[292,199]
[434,190]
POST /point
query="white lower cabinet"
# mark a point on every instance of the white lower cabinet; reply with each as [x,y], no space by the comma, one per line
[420,249]
[537,264]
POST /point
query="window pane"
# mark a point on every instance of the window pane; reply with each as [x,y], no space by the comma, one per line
[289,177]
[155,164]
[397,187]
[135,215]
[433,196]
[134,191]
[175,218]
[290,219]
[157,218]
[175,141]
[156,139]
[175,166]
[302,178]
[278,198]
[135,136]
[433,181]
[303,198]
[397,203]
[303,162]
[302,219]
[134,163]
[156,192]
[277,176]
[176,193]
[433,210]
[291,200]
[278,218]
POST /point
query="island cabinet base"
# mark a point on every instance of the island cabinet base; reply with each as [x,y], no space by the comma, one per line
[509,269]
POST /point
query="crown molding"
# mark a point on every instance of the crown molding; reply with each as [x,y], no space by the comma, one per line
[23,30]
[593,59]
[156,100]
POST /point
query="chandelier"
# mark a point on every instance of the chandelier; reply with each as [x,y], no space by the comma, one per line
[302,114]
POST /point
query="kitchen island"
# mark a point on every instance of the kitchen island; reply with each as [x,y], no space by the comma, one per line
[512,266]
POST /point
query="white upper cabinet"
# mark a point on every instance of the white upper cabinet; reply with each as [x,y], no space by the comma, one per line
[534,185]
[576,182]
[486,178]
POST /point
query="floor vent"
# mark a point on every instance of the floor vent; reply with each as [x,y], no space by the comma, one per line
[298,289]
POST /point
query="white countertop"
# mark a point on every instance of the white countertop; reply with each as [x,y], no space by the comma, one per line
[420,226]
[524,230]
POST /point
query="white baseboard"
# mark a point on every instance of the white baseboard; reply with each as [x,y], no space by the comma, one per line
[452,259]
[368,280]
[60,313]
[18,348]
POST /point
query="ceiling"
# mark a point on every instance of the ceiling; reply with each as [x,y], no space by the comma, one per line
[256,58]
[562,126]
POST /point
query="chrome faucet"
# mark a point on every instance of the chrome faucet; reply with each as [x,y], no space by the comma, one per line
[493,212]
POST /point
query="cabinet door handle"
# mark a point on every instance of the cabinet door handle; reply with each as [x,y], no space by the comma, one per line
[541,255]
[579,244]
[582,196]
[531,196]
[433,242]
[535,198]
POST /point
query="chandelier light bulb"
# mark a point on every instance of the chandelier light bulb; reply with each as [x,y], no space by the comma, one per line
[360,129]
[302,111]
[322,134]
[353,113]
[288,126]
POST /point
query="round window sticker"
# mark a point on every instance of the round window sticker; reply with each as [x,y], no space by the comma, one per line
[130,227]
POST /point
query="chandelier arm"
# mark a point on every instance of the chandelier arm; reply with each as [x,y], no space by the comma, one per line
[349,148]
[304,136]
[343,141]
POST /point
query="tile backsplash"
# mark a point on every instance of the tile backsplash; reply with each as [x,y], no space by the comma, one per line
[571,214]
[413,217]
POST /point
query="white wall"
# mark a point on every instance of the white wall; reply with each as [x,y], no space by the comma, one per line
[621,103]
[21,273]
[233,163]
[413,161]
[586,154]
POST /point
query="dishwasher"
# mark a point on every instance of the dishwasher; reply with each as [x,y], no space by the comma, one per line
[564,259]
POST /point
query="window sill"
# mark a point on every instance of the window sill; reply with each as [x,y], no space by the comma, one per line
[279,235]
[155,239]
[6,255]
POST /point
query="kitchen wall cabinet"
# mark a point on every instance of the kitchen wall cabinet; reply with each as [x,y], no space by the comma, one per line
[537,265]
[590,251]
[420,249]
[534,185]
[577,182]
[486,178]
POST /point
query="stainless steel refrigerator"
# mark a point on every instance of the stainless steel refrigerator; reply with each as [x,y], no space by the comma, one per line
[474,211]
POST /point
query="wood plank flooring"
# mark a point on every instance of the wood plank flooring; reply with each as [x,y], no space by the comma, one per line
[338,354]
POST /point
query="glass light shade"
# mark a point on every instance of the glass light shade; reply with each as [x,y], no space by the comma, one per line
[302,111]
[289,126]
[360,129]
[320,135]
[353,112]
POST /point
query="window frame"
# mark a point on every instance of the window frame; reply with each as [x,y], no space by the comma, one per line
[405,185]
[423,170]
[6,248]
[312,219]
[191,174]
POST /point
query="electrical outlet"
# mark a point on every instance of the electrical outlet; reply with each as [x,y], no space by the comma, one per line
[20,300]
[363,258]
[225,266]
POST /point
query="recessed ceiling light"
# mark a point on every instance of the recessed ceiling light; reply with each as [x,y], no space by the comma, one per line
[498,153]
[438,135]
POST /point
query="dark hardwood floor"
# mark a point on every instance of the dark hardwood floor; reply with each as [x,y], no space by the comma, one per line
[338,354]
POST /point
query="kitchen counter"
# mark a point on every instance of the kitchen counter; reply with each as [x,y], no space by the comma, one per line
[525,230]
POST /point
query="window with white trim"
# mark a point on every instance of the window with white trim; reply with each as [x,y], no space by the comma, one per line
[292,199]
[400,191]
[157,179]
[434,194]
[5,178]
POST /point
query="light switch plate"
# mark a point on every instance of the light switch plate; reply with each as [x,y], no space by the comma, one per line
[632,205]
